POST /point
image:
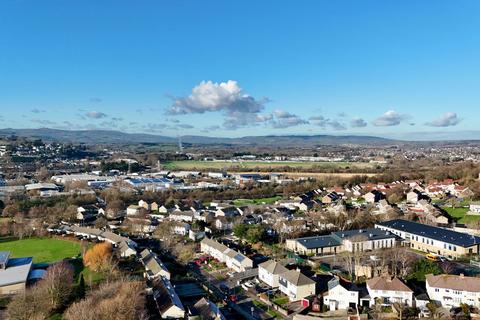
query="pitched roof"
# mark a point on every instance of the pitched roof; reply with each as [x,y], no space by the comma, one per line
[297,278]
[165,296]
[273,267]
[318,242]
[454,282]
[17,271]
[388,284]
[435,233]
[214,244]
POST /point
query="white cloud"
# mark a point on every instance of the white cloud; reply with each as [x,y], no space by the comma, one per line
[390,118]
[95,115]
[322,122]
[211,96]
[358,123]
[284,119]
[446,120]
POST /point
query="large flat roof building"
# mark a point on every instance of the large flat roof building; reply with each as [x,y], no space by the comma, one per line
[428,238]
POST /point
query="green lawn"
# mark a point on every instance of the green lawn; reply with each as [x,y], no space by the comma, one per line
[460,215]
[43,250]
[244,202]
[219,165]
[90,277]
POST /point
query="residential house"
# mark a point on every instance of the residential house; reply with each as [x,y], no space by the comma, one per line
[387,290]
[185,216]
[373,196]
[428,238]
[330,197]
[416,195]
[342,294]
[154,267]
[237,261]
[222,253]
[222,223]
[269,272]
[144,204]
[133,210]
[296,285]
[452,290]
[87,212]
[167,301]
[207,310]
[181,228]
[228,212]
[475,207]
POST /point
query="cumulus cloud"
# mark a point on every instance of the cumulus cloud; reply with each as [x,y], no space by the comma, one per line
[213,96]
[337,125]
[358,123]
[390,118]
[324,123]
[283,119]
[95,115]
[448,119]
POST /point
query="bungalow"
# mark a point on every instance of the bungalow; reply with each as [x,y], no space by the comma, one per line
[269,272]
[387,290]
[452,290]
[296,285]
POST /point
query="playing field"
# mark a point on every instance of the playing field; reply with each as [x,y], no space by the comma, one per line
[460,215]
[43,250]
[229,165]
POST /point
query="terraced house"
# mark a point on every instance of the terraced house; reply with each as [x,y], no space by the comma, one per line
[427,238]
[222,253]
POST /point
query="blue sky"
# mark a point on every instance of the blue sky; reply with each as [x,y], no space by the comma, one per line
[404,69]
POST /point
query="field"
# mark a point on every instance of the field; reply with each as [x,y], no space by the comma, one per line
[43,250]
[229,165]
[245,202]
[460,215]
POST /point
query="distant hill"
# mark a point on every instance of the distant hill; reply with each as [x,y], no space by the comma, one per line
[117,137]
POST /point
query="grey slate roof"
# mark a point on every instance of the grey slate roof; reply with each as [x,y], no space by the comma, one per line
[318,242]
[435,233]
